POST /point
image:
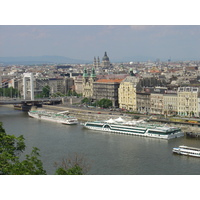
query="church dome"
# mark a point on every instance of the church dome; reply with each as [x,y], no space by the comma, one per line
[105,58]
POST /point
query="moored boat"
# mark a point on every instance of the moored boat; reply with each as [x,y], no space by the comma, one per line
[146,130]
[53,117]
[188,151]
[192,135]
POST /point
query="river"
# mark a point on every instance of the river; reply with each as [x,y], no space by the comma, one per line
[106,153]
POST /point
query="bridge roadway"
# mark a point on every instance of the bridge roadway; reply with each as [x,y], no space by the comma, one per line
[26,101]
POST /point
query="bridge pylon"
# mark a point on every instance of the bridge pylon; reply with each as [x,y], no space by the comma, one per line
[28,76]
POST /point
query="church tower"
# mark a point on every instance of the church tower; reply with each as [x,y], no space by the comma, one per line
[88,81]
[98,62]
[95,63]
[85,75]
[93,75]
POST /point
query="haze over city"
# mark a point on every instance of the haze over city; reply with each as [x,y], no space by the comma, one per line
[122,42]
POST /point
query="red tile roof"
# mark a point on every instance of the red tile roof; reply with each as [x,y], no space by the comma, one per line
[109,80]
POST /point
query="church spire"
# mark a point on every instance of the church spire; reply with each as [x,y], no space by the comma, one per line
[85,74]
[93,75]
[98,62]
[95,62]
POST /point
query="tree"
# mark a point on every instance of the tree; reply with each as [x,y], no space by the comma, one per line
[105,103]
[9,92]
[85,100]
[11,148]
[46,91]
[76,170]
[73,164]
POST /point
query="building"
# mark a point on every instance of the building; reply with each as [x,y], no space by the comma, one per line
[96,63]
[143,102]
[127,93]
[103,66]
[170,100]
[188,98]
[157,100]
[78,84]
[88,80]
[105,61]
[39,83]
[61,85]
[106,89]
[0,80]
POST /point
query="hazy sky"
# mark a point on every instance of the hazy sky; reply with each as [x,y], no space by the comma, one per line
[86,41]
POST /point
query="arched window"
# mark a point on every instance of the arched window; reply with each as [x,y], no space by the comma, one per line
[106,126]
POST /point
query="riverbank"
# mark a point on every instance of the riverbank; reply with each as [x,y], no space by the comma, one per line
[94,115]
[84,114]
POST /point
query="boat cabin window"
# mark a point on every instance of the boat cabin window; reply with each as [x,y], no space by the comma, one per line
[106,126]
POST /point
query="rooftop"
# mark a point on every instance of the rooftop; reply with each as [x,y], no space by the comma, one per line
[109,80]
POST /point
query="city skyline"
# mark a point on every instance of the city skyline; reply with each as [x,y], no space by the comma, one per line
[121,42]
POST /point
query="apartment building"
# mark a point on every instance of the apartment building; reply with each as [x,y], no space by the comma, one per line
[157,100]
[78,84]
[107,89]
[127,93]
[170,100]
[143,102]
[188,101]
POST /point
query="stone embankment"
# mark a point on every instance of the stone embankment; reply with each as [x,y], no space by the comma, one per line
[84,114]
[94,115]
[91,115]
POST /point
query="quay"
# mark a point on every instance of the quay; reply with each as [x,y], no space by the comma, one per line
[96,115]
[85,114]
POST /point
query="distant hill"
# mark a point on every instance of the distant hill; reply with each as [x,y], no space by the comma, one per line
[31,60]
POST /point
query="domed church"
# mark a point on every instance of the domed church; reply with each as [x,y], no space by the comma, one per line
[105,61]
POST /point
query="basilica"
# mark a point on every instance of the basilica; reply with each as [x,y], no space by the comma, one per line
[95,88]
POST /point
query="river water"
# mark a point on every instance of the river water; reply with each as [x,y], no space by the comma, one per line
[106,153]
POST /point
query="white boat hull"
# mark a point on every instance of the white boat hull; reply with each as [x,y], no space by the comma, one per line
[179,134]
[69,121]
[187,151]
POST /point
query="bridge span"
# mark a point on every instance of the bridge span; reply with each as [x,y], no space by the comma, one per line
[25,104]
[23,101]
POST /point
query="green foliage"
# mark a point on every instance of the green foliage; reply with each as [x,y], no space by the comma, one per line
[136,117]
[11,148]
[58,94]
[46,91]
[85,100]
[72,93]
[72,164]
[9,92]
[104,103]
[76,170]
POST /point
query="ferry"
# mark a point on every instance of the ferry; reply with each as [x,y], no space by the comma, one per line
[188,151]
[146,130]
[60,117]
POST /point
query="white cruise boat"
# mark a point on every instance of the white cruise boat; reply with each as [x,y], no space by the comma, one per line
[53,117]
[146,130]
[188,151]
